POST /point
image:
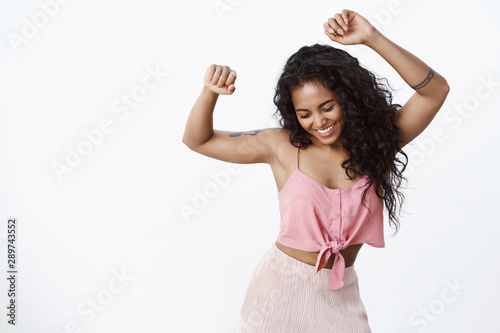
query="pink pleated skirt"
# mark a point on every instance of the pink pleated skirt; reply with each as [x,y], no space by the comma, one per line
[283,295]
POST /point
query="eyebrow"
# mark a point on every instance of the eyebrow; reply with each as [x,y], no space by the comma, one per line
[322,104]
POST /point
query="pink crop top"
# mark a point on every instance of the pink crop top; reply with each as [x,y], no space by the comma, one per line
[317,218]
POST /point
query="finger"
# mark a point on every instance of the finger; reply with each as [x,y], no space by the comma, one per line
[334,37]
[327,28]
[217,73]
[335,26]
[223,77]
[209,73]
[231,89]
[341,23]
[346,13]
[231,78]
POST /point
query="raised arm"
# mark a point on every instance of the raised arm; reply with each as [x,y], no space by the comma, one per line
[431,89]
[256,146]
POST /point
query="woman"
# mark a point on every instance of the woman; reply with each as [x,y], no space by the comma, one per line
[341,120]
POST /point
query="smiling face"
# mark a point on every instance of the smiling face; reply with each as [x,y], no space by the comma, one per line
[317,110]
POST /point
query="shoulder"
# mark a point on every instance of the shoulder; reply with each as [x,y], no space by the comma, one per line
[275,135]
[282,147]
[282,134]
[281,140]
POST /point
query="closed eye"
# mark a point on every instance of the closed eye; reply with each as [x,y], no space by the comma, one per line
[326,110]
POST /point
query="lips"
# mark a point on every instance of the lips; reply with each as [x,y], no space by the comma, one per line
[325,128]
[331,127]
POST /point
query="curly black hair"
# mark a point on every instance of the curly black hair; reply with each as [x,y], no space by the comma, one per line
[370,138]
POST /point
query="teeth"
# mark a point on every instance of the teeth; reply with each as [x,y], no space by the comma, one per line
[328,129]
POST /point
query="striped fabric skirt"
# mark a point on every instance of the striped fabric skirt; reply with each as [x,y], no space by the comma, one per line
[284,296]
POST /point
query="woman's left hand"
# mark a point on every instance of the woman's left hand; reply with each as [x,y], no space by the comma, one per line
[348,28]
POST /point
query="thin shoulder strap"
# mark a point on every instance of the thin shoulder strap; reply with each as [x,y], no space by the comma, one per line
[298,148]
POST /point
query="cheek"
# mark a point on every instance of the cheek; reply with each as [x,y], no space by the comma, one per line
[302,122]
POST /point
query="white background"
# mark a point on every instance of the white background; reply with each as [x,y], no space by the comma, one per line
[119,210]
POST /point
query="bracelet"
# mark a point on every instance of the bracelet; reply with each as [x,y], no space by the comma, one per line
[424,82]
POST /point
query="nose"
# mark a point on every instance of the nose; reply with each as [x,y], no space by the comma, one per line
[319,121]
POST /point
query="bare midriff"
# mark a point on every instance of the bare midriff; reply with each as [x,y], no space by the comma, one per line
[349,254]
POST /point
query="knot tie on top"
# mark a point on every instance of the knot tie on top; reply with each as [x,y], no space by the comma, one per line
[336,279]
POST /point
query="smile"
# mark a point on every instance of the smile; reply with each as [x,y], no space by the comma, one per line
[327,131]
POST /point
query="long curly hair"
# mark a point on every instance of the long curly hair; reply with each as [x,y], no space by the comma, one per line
[370,138]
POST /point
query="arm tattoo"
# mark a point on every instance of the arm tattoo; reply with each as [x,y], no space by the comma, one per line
[235,134]
[426,81]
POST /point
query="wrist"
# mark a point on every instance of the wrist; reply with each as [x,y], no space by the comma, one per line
[209,93]
[374,38]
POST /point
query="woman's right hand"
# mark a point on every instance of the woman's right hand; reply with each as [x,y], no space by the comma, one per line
[220,79]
